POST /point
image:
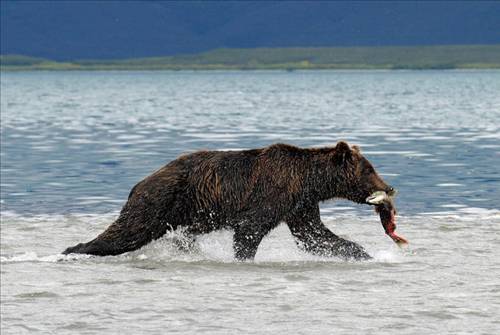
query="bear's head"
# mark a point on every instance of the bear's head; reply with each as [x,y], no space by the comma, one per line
[357,179]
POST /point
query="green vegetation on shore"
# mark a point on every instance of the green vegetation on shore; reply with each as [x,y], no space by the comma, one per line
[415,57]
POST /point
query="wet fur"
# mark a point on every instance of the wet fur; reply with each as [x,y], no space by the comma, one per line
[249,191]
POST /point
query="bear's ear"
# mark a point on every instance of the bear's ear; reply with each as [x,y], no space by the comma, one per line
[342,152]
[356,148]
[342,147]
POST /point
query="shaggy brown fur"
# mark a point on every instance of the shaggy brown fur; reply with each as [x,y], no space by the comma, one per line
[249,191]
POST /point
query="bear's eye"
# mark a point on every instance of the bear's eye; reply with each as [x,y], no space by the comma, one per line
[370,169]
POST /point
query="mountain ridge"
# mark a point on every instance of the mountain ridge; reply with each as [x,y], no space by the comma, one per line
[394,57]
[64,31]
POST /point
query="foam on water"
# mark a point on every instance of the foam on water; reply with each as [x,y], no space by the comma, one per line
[277,247]
[32,256]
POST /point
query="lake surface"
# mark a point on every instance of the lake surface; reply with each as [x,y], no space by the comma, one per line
[73,144]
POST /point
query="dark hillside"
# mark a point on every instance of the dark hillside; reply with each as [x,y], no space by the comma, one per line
[416,57]
[69,30]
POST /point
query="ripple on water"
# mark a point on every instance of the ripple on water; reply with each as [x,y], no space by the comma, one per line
[36,295]
[74,144]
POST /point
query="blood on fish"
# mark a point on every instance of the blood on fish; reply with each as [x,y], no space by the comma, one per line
[387,213]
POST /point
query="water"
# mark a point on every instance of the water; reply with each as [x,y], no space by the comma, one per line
[73,145]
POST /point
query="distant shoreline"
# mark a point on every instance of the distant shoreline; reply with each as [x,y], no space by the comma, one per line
[288,59]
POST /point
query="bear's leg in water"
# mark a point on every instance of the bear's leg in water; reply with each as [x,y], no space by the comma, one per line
[138,224]
[247,237]
[122,236]
[314,237]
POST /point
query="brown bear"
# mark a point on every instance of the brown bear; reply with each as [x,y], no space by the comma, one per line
[248,191]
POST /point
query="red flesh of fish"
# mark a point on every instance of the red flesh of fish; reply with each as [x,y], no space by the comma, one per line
[387,214]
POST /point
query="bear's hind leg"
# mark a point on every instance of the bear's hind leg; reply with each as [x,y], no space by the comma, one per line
[122,236]
[137,225]
[97,247]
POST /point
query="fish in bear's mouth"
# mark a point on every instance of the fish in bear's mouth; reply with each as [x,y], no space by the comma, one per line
[384,205]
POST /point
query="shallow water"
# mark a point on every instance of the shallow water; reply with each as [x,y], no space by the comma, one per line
[73,144]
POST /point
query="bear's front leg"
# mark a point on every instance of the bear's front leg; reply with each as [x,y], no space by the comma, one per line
[247,237]
[314,237]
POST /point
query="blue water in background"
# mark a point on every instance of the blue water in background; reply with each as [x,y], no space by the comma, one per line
[73,144]
[79,141]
